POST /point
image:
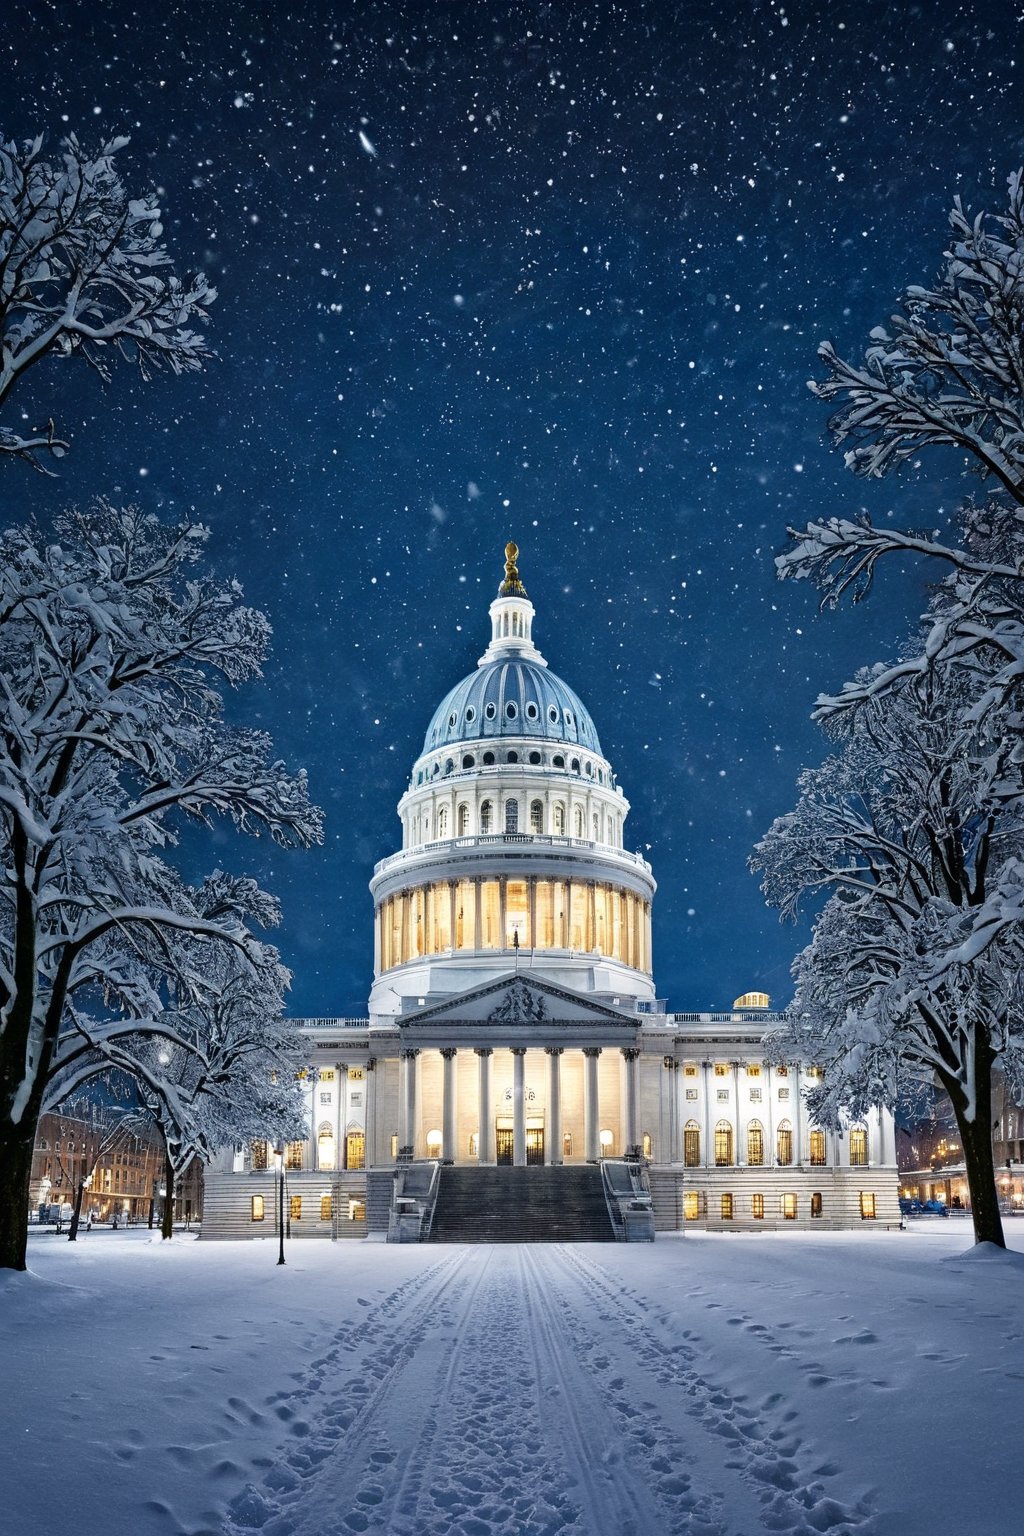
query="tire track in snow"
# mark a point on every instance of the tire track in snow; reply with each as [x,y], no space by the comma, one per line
[766,1450]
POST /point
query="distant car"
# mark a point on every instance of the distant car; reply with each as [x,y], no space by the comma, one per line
[910,1207]
[934,1208]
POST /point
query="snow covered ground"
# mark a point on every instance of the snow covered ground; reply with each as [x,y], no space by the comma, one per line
[868,1382]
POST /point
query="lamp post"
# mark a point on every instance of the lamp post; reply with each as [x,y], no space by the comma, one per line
[279,1167]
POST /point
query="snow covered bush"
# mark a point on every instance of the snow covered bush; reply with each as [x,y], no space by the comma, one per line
[84,273]
[112,644]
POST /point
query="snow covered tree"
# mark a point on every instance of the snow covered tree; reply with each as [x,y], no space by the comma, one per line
[84,273]
[112,643]
[914,964]
[948,371]
[914,970]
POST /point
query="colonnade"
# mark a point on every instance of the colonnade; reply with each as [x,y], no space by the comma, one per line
[497,912]
[409,1095]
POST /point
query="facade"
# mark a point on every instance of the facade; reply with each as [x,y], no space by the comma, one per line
[513,1017]
[121,1170]
[931,1160]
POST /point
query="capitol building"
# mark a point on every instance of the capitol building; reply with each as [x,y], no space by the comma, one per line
[516,1073]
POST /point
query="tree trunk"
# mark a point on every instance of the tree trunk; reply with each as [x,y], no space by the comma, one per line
[76,1214]
[976,1140]
[15,1172]
[167,1223]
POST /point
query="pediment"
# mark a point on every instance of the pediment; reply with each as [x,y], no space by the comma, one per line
[518,1000]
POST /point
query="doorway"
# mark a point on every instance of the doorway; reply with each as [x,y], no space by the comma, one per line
[504,1146]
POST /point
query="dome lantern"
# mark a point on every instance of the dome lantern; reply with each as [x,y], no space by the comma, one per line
[511,619]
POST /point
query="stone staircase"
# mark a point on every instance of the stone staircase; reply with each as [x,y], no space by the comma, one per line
[521,1205]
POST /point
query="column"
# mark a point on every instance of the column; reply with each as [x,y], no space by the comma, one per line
[887,1132]
[553,1136]
[485,1123]
[707,1079]
[591,1108]
[311,1158]
[519,1106]
[590,938]
[448,1104]
[371,1111]
[531,896]
[629,1127]
[567,910]
[453,906]
[404,929]
[478,912]
[681,1115]
[769,1115]
[340,1102]
[741,1124]
[407,1131]
[799,1150]
[673,1127]
[502,911]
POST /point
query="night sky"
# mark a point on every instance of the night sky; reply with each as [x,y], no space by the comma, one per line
[557,273]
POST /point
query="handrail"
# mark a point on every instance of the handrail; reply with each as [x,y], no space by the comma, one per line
[496,839]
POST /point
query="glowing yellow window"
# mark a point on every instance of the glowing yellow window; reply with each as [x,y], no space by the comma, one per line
[757,1207]
[867,1205]
[257,1208]
[691,1205]
[689,1070]
[753,1069]
[727,1207]
[295,1207]
[325,1207]
[721,1069]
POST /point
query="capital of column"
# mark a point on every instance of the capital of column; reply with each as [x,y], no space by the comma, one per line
[408,1053]
[371,1064]
[671,1065]
[630,1052]
[483,1050]
[518,1050]
[341,1066]
[449,1052]
[593,1051]
[553,1050]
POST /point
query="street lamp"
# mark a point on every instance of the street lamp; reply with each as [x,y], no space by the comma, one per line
[279,1168]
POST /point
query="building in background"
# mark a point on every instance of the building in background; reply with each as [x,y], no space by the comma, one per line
[121,1165]
[513,1018]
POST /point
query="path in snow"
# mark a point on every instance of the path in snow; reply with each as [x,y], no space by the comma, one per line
[524,1391]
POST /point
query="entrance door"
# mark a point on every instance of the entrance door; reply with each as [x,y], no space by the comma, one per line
[534,1148]
[503,1146]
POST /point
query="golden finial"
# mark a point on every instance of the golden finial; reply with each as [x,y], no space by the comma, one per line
[511,586]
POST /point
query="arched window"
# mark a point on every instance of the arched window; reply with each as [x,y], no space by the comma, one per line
[469,761]
[536,816]
[511,709]
[558,819]
[691,1144]
[596,827]
[858,1147]
[567,1144]
[646,1144]
[577,822]
[488,759]
[511,816]
[512,757]
[723,1144]
[462,822]
[325,1159]
[558,761]
[755,1144]
[818,1149]
[355,1148]
[449,767]
[784,1144]
[442,822]
[534,757]
[487,817]
[575,765]
[434,1143]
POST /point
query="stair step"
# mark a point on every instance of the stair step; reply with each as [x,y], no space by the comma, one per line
[521,1205]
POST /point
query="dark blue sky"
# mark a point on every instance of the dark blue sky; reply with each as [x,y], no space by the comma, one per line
[550,272]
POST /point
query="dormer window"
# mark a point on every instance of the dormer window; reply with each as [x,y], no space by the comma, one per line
[510,709]
[490,710]
[553,714]
[469,761]
[531,711]
[488,759]
[470,715]
[558,761]
[575,765]
[451,721]
[512,757]
[534,757]
[568,717]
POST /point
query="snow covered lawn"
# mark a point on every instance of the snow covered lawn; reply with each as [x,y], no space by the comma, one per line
[710,1384]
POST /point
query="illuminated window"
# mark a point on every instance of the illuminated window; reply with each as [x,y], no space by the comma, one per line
[355,1074]
[394,1146]
[755,1144]
[727,1207]
[753,1069]
[721,1069]
[474,1144]
[784,1144]
[781,1071]
[607,1140]
[867,1205]
[647,1145]
[817,1149]
[691,1205]
[787,1207]
[689,1070]
[723,1144]
[257,1210]
[816,1203]
[434,1141]
[355,1149]
[858,1147]
[325,1148]
[295,1208]
[567,1145]
[325,1207]
[757,1207]
[293,1155]
[258,1156]
[691,1144]
[327,1074]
